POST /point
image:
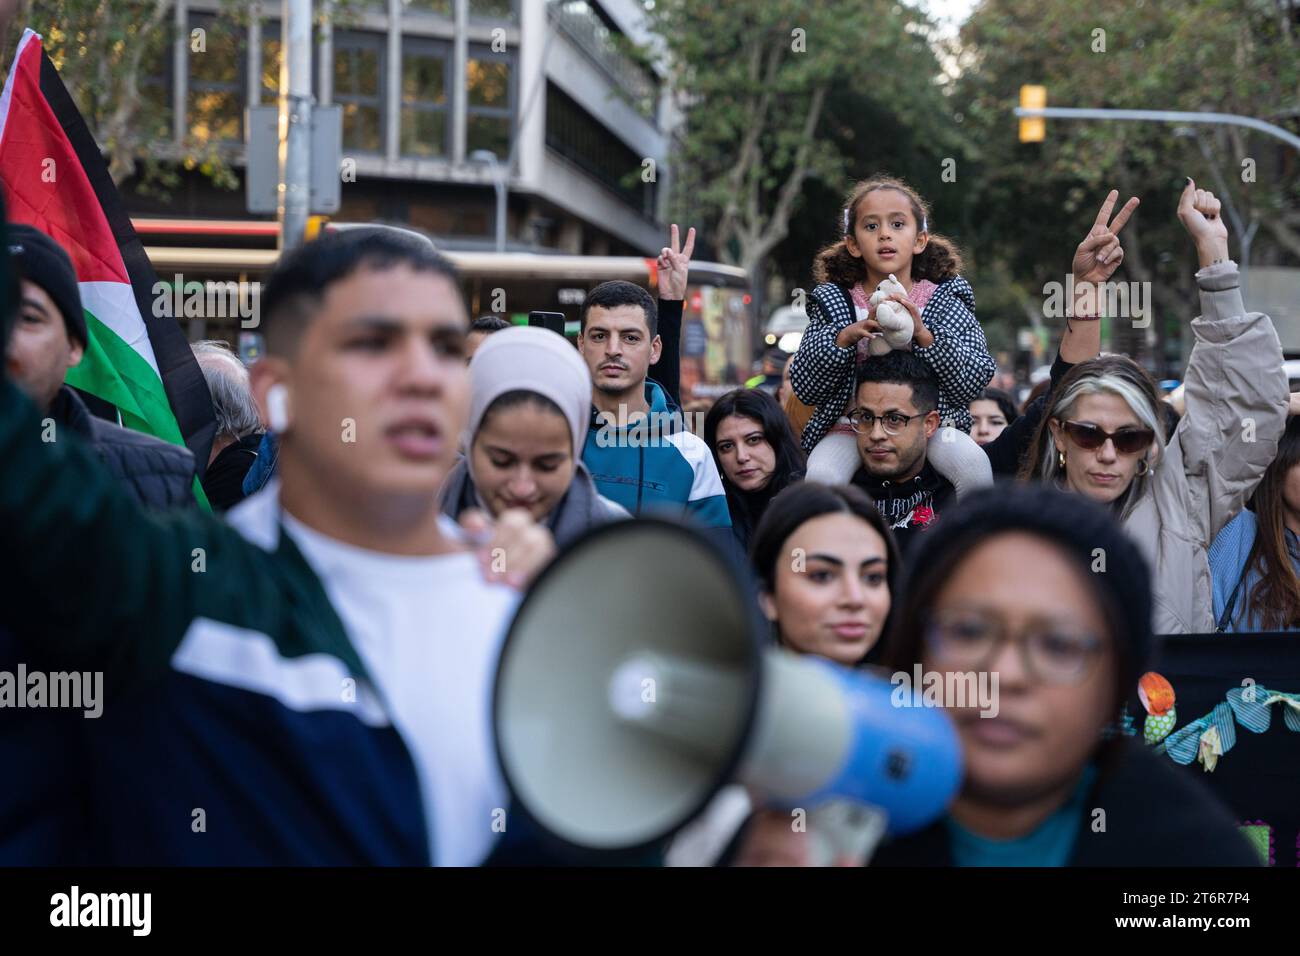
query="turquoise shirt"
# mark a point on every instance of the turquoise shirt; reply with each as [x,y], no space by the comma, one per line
[657,466]
[1049,845]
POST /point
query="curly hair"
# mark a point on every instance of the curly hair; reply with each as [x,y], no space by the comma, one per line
[938,262]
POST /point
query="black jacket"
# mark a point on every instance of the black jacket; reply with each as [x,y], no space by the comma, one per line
[158,473]
[1155,816]
[909,507]
[223,482]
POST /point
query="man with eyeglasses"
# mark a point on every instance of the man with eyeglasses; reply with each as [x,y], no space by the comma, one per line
[896,412]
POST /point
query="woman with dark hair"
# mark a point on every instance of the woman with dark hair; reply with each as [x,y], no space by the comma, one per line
[826,567]
[1103,432]
[756,454]
[1255,560]
[990,414]
[1063,648]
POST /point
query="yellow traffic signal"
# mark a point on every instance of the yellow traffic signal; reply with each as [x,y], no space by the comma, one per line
[1033,128]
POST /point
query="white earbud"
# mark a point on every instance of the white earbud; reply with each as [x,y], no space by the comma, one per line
[277,408]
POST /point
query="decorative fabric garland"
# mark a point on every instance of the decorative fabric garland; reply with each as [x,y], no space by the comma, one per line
[1210,737]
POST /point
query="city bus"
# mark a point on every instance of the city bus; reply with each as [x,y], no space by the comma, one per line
[718,325]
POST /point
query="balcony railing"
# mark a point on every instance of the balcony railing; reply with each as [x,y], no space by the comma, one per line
[584,26]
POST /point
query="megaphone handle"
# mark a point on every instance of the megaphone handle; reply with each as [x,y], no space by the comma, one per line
[845,831]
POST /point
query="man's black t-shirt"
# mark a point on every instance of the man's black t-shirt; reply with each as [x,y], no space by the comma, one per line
[909,507]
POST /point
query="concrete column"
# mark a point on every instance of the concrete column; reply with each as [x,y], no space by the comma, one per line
[393,77]
[181,72]
[459,72]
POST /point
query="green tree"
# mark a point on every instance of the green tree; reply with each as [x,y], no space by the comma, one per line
[1027,201]
[772,94]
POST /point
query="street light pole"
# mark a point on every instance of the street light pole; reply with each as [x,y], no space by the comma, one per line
[1162,116]
[499,174]
[295,123]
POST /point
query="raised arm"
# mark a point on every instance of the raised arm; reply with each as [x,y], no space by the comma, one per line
[1095,261]
[673,270]
[1236,389]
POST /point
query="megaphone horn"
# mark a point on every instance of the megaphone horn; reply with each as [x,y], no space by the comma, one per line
[636,681]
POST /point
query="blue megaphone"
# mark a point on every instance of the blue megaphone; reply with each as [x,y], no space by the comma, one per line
[637,680]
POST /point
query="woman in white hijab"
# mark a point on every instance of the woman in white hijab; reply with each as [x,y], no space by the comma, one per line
[530,403]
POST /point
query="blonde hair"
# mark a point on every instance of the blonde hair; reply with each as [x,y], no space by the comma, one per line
[1113,374]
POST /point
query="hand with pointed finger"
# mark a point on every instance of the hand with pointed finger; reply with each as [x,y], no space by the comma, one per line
[1100,253]
[1199,212]
[674,265]
[513,549]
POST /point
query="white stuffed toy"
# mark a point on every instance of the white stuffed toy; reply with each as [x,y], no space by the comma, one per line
[895,321]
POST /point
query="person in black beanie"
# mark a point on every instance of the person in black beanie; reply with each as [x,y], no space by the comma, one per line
[49,337]
[1042,597]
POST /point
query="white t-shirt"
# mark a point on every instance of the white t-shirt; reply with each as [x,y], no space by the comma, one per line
[429,630]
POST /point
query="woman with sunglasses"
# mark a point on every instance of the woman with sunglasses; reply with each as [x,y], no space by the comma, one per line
[1066,646]
[1103,436]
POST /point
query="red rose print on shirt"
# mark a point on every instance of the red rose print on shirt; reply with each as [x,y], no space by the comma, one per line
[922,517]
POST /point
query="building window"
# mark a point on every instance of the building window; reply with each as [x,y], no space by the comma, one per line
[493,10]
[216,82]
[272,57]
[489,118]
[442,7]
[426,74]
[579,137]
[359,83]
[156,97]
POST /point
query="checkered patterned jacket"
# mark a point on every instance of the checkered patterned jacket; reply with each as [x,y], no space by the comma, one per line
[822,373]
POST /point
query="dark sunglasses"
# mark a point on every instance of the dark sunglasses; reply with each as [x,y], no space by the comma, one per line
[1128,441]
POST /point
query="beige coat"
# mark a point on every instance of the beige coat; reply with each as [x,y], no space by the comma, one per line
[1236,394]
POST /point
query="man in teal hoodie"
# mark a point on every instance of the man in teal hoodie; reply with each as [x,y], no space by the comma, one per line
[638,449]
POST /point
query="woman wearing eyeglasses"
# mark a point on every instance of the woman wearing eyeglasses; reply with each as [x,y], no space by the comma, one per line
[1103,435]
[1066,646]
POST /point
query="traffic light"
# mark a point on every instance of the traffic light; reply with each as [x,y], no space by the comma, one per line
[1033,128]
[316,226]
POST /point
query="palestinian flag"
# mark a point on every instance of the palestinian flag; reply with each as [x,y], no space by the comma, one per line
[55,179]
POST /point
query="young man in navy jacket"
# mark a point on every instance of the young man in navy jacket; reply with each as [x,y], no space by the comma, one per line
[310,683]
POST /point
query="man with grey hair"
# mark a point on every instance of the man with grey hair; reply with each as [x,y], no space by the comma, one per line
[239,429]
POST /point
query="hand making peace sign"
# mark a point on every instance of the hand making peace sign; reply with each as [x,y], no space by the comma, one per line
[1100,253]
[674,265]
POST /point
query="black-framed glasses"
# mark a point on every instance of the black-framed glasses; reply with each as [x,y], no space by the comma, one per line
[863,421]
[1053,653]
[1128,441]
